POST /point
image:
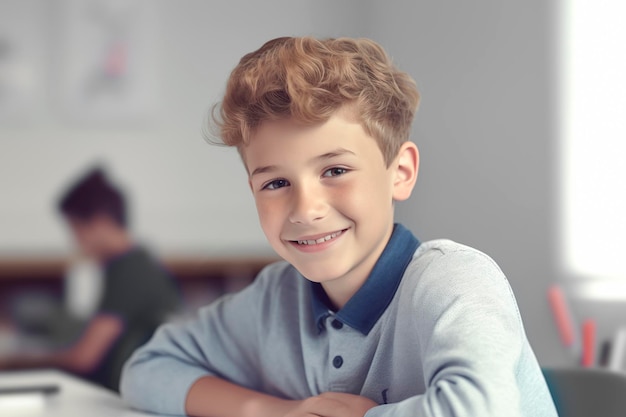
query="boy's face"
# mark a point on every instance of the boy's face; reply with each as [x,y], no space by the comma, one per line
[89,235]
[324,195]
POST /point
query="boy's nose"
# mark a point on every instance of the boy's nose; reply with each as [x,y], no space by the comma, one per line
[308,205]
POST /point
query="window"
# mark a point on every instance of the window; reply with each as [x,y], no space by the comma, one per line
[593,138]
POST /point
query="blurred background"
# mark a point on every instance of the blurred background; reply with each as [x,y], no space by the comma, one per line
[520,131]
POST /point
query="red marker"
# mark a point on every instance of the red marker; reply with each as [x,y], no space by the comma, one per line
[562,316]
[589,343]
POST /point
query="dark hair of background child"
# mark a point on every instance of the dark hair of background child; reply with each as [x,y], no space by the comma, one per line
[93,194]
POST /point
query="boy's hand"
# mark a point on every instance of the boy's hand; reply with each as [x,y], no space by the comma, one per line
[332,404]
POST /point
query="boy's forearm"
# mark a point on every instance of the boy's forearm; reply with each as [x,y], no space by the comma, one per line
[62,360]
[214,397]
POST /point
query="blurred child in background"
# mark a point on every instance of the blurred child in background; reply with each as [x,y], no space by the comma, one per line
[138,294]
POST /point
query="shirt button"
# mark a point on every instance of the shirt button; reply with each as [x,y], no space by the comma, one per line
[337,362]
[336,324]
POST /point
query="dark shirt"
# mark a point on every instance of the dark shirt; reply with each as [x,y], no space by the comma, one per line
[140,292]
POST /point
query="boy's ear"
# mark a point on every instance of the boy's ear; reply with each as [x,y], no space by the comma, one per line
[406,166]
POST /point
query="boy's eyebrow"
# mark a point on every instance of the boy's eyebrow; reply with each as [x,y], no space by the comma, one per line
[262,170]
[327,155]
[335,153]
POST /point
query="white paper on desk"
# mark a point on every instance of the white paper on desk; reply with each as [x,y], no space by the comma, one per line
[22,404]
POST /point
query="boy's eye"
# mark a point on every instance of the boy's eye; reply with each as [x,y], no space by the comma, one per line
[276,184]
[333,172]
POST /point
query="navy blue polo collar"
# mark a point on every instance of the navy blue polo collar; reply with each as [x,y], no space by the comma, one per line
[365,307]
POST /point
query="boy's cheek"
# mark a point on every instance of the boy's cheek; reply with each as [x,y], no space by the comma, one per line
[263,207]
[269,217]
[355,198]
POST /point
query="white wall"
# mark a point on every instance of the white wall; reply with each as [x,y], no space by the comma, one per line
[485,130]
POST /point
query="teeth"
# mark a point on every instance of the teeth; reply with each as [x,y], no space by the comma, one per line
[320,240]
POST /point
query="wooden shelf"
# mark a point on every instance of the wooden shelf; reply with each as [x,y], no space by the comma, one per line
[54,267]
[43,266]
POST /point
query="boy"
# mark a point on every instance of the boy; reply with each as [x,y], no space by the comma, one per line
[362,319]
[138,294]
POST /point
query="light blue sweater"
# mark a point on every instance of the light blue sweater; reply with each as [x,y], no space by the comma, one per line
[434,331]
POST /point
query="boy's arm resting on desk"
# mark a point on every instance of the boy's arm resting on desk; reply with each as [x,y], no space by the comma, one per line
[101,332]
[81,357]
[219,343]
[470,341]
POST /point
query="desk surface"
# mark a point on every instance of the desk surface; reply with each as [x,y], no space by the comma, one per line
[76,398]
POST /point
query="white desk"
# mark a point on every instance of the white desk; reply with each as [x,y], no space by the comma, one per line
[76,398]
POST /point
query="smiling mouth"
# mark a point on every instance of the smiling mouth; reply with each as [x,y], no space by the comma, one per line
[323,239]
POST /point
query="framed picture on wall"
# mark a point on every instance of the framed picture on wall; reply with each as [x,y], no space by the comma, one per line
[107,63]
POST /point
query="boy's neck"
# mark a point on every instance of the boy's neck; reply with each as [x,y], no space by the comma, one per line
[117,244]
[342,289]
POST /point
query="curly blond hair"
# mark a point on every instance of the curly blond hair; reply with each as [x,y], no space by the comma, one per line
[309,79]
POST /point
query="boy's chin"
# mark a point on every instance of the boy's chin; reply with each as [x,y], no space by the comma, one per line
[318,269]
[317,274]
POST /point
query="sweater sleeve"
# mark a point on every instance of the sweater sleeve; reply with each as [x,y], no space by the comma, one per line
[470,341]
[221,341]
